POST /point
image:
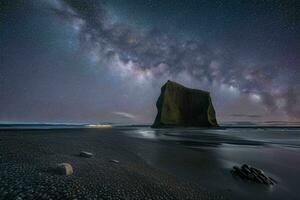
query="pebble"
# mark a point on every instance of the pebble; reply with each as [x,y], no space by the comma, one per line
[86,154]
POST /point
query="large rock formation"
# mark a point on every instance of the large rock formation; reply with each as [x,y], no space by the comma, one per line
[179,106]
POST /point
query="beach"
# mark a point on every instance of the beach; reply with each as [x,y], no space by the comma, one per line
[145,163]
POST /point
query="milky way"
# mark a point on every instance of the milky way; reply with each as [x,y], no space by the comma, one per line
[246,55]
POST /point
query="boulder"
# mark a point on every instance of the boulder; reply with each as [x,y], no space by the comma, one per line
[179,106]
[85,154]
[64,169]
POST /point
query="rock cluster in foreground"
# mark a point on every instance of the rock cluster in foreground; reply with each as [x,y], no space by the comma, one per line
[253,174]
[179,106]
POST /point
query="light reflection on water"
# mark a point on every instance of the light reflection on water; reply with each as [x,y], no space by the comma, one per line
[148,134]
[192,137]
[207,155]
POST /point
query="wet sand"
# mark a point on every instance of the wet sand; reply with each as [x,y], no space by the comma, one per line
[27,157]
[153,164]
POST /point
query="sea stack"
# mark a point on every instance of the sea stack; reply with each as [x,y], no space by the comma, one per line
[179,106]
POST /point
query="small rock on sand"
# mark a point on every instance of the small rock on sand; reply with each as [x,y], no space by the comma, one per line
[85,154]
[114,161]
[64,169]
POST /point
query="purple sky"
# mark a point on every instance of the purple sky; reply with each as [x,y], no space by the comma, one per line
[105,61]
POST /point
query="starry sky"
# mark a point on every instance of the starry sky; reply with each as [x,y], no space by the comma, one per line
[95,61]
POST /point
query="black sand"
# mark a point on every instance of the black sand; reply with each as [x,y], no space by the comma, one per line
[153,163]
[27,158]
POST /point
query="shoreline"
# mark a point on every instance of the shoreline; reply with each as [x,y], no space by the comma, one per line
[27,157]
[151,163]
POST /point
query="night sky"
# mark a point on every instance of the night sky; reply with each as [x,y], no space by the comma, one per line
[105,61]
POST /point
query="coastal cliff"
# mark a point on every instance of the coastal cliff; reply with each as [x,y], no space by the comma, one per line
[179,106]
